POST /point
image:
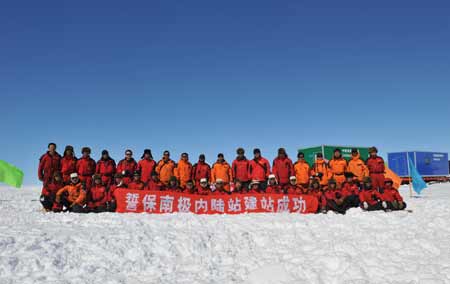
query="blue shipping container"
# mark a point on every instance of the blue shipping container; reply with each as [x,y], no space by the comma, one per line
[428,164]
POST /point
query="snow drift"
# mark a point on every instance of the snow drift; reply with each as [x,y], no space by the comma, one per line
[376,247]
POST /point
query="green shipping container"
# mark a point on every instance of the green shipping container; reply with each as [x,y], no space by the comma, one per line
[328,151]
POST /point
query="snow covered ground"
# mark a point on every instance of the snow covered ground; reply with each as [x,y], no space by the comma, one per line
[378,247]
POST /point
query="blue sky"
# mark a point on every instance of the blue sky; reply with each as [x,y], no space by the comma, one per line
[209,76]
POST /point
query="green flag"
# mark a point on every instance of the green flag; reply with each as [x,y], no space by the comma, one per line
[10,174]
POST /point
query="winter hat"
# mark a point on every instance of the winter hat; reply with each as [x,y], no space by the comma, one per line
[105,152]
[293,178]
[256,151]
[272,176]
[203,180]
[85,150]
[68,148]
[373,149]
[254,182]
[219,180]
[147,152]
[73,175]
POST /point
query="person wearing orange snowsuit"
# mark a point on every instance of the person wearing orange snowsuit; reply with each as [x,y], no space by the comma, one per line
[376,167]
[321,170]
[72,196]
[357,166]
[183,171]
[282,167]
[338,167]
[106,168]
[222,170]
[146,166]
[86,167]
[302,170]
[68,164]
[165,168]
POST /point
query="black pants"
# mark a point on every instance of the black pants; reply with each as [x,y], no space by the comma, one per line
[333,206]
[396,206]
[375,207]
[98,209]
[47,201]
[352,201]
[75,208]
[111,206]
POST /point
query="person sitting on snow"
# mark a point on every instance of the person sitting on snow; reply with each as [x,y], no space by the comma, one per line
[238,187]
[272,185]
[97,196]
[190,188]
[255,187]
[173,185]
[334,199]
[72,196]
[370,198]
[350,190]
[118,184]
[293,187]
[220,188]
[204,188]
[136,183]
[49,191]
[392,197]
[155,184]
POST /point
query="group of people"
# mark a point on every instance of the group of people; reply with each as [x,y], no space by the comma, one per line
[83,185]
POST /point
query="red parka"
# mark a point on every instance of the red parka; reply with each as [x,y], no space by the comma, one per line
[106,169]
[48,165]
[259,169]
[390,194]
[283,169]
[375,165]
[370,196]
[85,170]
[349,189]
[199,171]
[68,166]
[127,168]
[97,196]
[155,186]
[240,169]
[146,167]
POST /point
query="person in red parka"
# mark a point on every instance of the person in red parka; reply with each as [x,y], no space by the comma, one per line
[86,167]
[370,198]
[239,187]
[293,187]
[68,164]
[283,168]
[49,191]
[49,163]
[106,168]
[118,184]
[255,187]
[272,185]
[315,189]
[204,188]
[376,167]
[136,184]
[190,188]
[392,197]
[146,166]
[201,170]
[259,169]
[155,184]
[97,196]
[350,190]
[335,201]
[240,168]
[127,167]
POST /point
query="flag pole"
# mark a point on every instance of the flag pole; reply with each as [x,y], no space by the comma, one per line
[410,178]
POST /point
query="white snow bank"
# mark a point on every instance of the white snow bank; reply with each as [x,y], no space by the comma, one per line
[377,247]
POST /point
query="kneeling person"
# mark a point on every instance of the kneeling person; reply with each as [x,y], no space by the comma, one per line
[97,196]
[72,196]
[370,198]
[392,197]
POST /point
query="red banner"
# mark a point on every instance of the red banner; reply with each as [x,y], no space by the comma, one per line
[161,202]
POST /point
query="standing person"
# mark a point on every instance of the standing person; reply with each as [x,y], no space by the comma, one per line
[240,168]
[68,164]
[106,168]
[338,167]
[222,170]
[201,171]
[259,169]
[165,168]
[283,168]
[146,166]
[137,183]
[321,170]
[49,163]
[127,167]
[86,167]
[357,167]
[376,167]
[49,191]
[183,171]
[97,196]
[302,170]
[72,196]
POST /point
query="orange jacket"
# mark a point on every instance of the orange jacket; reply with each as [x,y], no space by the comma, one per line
[358,168]
[302,171]
[320,166]
[183,172]
[221,171]
[76,195]
[338,166]
[165,170]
